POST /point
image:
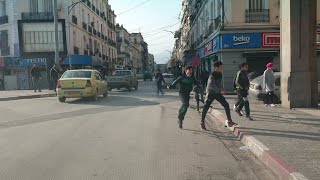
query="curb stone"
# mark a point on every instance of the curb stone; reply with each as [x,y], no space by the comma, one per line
[27,97]
[275,162]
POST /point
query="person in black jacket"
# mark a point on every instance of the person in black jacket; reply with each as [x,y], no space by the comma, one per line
[186,82]
[242,85]
[54,76]
[159,80]
[36,77]
[215,91]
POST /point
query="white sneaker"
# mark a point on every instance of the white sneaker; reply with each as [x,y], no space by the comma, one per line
[235,108]
[273,105]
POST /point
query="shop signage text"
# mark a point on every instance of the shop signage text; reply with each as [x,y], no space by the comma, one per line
[31,62]
[241,40]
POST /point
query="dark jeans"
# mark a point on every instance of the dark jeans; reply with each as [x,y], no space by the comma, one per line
[199,97]
[184,107]
[36,83]
[54,84]
[269,97]
[221,99]
[159,86]
[243,101]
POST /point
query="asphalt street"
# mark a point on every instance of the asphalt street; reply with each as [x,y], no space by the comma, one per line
[127,135]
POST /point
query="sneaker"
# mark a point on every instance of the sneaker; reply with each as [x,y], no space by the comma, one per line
[239,113]
[235,108]
[180,124]
[273,105]
[230,124]
[249,118]
[267,105]
[203,126]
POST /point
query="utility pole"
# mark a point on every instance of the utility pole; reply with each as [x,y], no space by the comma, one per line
[55,12]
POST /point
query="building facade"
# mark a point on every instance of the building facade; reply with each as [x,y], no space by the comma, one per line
[86,38]
[232,32]
[124,60]
[136,39]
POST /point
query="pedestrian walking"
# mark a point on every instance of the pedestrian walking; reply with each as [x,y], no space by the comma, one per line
[242,87]
[36,76]
[269,85]
[198,90]
[186,82]
[159,80]
[54,76]
[214,91]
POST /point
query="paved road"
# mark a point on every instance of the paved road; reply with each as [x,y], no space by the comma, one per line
[128,135]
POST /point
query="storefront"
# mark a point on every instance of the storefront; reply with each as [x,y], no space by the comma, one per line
[209,53]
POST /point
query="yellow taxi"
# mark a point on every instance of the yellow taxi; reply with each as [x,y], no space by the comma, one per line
[81,83]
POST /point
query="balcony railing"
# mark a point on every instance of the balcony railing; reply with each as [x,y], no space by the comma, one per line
[3,20]
[98,12]
[88,3]
[90,29]
[84,26]
[74,19]
[257,15]
[93,8]
[76,50]
[37,16]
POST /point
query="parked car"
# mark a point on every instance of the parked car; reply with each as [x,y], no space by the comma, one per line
[168,78]
[257,91]
[148,75]
[253,75]
[122,79]
[81,84]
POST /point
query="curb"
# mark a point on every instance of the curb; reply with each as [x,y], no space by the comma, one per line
[27,97]
[272,160]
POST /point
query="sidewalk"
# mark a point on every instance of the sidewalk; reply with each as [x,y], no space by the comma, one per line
[287,141]
[24,94]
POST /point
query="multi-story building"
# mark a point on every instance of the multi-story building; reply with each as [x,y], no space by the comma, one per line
[86,37]
[136,59]
[137,40]
[151,62]
[232,32]
[123,46]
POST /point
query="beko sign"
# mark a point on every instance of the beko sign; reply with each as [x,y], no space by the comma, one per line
[241,40]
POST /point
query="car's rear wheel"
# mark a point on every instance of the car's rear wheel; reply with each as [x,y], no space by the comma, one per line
[62,99]
[105,94]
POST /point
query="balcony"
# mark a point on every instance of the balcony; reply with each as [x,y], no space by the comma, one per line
[93,8]
[3,20]
[257,15]
[74,20]
[37,16]
[98,12]
[94,31]
[99,34]
[102,15]
[84,26]
[76,50]
[90,29]
[88,3]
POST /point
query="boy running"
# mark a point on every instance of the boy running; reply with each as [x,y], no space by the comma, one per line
[215,91]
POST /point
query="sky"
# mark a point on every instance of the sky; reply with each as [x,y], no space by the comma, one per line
[153,18]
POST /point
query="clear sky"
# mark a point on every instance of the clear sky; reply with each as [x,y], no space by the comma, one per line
[152,19]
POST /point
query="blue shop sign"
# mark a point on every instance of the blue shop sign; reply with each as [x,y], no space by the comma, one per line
[241,40]
[30,62]
[201,52]
[216,44]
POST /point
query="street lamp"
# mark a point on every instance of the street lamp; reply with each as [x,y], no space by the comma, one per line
[68,33]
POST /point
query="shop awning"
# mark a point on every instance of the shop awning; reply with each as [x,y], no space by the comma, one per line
[261,54]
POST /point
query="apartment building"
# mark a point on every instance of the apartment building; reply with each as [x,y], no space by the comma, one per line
[137,40]
[151,62]
[124,60]
[136,59]
[232,31]
[86,38]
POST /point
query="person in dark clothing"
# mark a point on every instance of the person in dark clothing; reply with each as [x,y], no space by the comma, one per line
[204,78]
[186,82]
[198,90]
[242,87]
[36,76]
[54,76]
[159,80]
[215,91]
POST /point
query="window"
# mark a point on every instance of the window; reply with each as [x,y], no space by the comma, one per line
[83,18]
[74,38]
[3,9]
[211,10]
[88,20]
[77,74]
[98,76]
[33,6]
[135,40]
[48,7]
[258,4]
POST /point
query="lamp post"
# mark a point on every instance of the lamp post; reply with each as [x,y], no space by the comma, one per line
[68,33]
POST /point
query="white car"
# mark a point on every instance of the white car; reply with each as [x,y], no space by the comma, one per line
[168,78]
[256,90]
